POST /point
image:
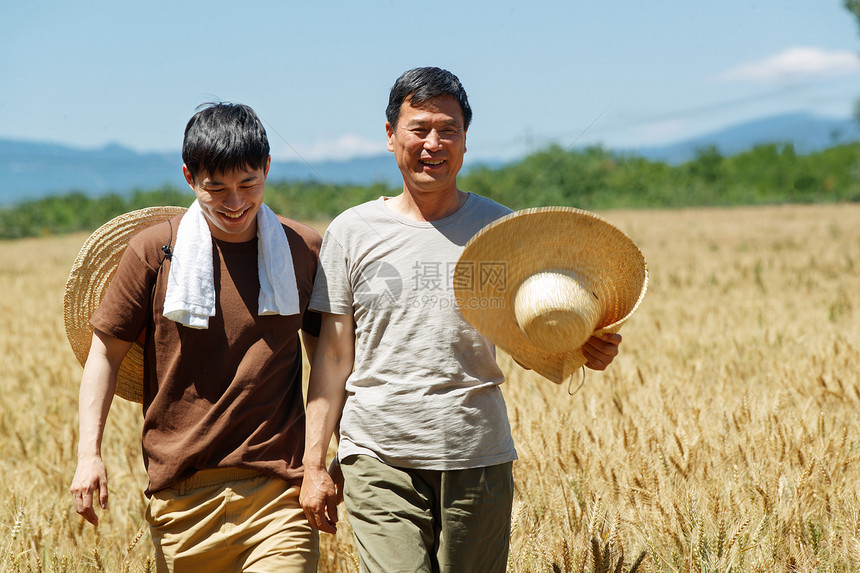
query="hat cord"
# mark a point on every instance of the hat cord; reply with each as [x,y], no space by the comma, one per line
[168,253]
[570,382]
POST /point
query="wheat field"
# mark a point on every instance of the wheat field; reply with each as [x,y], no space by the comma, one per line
[725,437]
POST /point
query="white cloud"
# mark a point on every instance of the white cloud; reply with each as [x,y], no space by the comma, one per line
[344,147]
[795,64]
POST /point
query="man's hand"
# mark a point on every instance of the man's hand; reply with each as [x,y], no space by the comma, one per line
[600,351]
[320,495]
[337,477]
[90,481]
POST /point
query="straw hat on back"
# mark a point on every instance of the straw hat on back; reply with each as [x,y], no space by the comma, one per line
[91,273]
[540,282]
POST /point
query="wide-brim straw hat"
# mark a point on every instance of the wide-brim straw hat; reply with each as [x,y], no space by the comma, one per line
[91,273]
[539,282]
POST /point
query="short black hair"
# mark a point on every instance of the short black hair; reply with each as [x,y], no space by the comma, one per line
[223,137]
[423,84]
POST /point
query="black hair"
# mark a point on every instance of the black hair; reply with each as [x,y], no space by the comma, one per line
[422,84]
[222,137]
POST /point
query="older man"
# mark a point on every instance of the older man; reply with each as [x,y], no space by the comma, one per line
[425,446]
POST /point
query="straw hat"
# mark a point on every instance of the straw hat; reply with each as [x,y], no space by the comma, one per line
[91,273]
[539,282]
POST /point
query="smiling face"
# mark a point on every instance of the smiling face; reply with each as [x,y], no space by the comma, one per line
[230,201]
[429,142]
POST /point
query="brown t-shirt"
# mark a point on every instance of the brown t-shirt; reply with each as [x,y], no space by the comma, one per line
[226,396]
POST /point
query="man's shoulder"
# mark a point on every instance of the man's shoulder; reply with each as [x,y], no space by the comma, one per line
[160,230]
[149,241]
[303,231]
[487,205]
[485,210]
[361,213]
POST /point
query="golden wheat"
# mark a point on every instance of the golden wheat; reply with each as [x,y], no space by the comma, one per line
[724,437]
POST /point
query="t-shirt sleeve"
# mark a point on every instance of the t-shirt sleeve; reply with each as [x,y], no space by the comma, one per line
[332,289]
[122,312]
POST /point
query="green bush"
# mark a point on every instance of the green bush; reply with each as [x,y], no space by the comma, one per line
[592,178]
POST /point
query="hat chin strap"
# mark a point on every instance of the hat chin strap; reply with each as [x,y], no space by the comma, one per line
[573,363]
[556,311]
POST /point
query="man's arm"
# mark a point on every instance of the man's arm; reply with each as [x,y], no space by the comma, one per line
[332,365]
[96,394]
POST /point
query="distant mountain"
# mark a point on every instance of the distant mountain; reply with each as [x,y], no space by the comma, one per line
[807,132]
[32,170]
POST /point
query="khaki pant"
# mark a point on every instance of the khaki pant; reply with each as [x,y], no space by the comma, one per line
[231,520]
[423,521]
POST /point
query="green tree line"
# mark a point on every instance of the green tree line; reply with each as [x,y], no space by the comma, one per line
[593,178]
[598,179]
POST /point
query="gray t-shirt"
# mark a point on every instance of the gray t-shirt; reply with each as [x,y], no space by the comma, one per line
[425,389]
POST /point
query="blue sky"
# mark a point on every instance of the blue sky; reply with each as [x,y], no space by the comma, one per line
[617,72]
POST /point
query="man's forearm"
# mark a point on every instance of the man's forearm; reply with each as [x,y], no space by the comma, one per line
[332,365]
[326,397]
[98,383]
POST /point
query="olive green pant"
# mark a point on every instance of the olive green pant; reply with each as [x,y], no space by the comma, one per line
[408,520]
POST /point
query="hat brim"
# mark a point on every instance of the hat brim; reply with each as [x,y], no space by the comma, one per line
[503,254]
[92,272]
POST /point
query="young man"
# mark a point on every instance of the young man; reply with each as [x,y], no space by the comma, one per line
[218,296]
[425,445]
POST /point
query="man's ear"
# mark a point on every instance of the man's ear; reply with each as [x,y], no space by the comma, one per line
[266,168]
[188,176]
[389,133]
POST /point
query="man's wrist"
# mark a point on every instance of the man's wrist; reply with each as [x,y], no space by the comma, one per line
[314,465]
[89,453]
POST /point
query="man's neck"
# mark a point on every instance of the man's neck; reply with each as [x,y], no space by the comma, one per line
[427,206]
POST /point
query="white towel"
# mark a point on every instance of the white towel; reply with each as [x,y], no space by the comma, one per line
[190,297]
